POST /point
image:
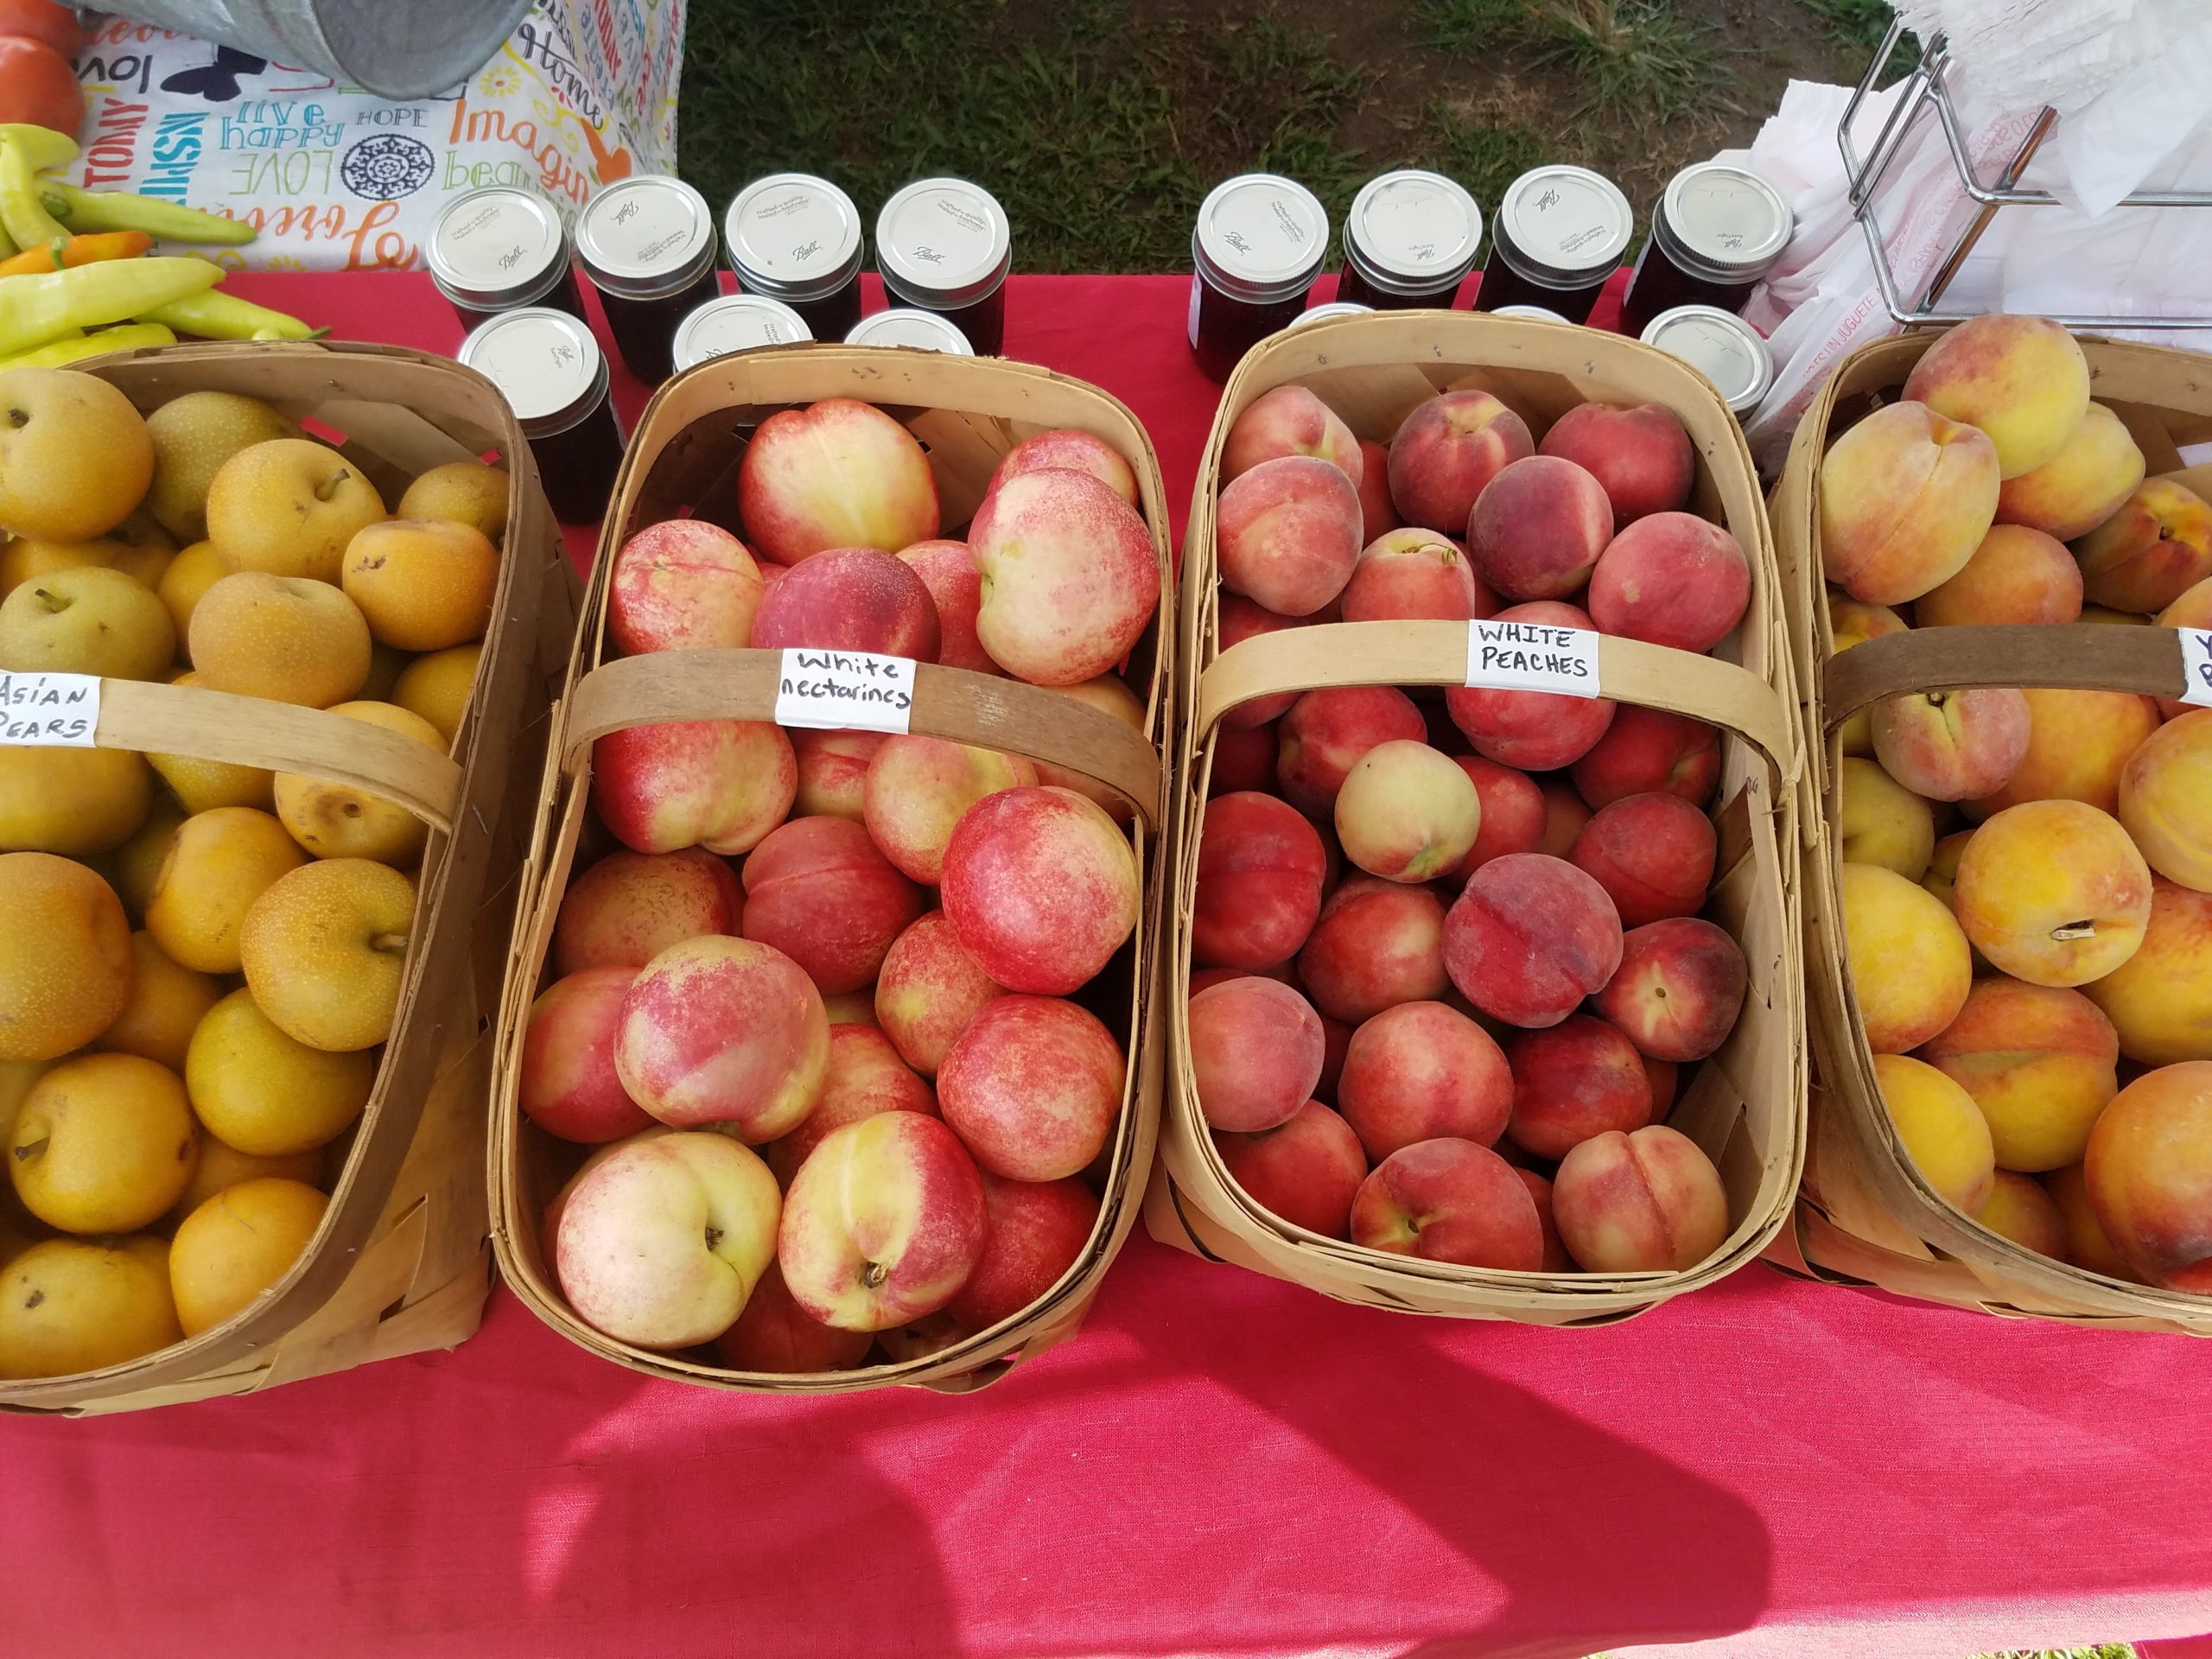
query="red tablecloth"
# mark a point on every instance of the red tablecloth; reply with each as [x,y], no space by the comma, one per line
[1219,1464]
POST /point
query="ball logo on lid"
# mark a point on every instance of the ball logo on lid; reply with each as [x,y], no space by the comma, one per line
[806,250]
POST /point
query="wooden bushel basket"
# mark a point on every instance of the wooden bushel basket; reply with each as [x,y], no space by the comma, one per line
[1865,1215]
[1745,1105]
[967,413]
[399,1263]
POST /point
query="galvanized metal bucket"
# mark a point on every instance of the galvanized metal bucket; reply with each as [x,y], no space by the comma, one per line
[395,48]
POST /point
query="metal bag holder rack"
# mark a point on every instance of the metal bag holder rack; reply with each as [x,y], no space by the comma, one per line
[1928,86]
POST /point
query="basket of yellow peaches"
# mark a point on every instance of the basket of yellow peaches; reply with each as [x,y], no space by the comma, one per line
[269,660]
[2010,950]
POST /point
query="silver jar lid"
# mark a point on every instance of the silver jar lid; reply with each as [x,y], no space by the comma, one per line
[903,326]
[1528,314]
[1723,222]
[1720,346]
[494,248]
[736,323]
[545,364]
[1261,238]
[1333,309]
[943,243]
[644,237]
[793,236]
[1412,233]
[1563,227]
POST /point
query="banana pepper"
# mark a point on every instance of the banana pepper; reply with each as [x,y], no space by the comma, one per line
[28,223]
[130,337]
[104,210]
[35,309]
[224,316]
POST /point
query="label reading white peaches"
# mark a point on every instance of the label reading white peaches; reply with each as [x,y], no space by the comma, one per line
[2196,665]
[56,710]
[845,691]
[1532,657]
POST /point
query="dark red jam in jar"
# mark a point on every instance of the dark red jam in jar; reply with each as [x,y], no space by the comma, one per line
[736,323]
[1409,240]
[647,243]
[795,238]
[1559,233]
[1720,346]
[494,249]
[943,246]
[549,369]
[1716,230]
[1258,248]
[906,324]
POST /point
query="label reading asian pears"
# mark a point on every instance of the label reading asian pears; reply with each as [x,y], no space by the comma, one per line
[1532,657]
[844,690]
[2196,665]
[49,710]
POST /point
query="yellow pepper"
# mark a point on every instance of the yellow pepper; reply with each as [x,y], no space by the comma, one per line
[20,210]
[36,309]
[130,337]
[42,147]
[224,316]
[105,210]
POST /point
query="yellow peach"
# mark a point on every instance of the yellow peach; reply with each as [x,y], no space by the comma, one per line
[1879,821]
[2016,575]
[2165,800]
[2161,999]
[2087,1246]
[2019,1209]
[1905,497]
[2149,1168]
[1946,1138]
[2053,893]
[2078,745]
[2156,548]
[2081,486]
[2039,1062]
[2022,381]
[1909,969]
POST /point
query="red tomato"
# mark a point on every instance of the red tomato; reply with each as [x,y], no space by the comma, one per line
[37,86]
[46,21]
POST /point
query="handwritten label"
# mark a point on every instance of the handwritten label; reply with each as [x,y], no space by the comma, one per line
[845,691]
[1532,657]
[2196,665]
[55,710]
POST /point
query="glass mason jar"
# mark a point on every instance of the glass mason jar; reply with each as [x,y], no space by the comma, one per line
[1409,241]
[1720,346]
[1559,233]
[494,249]
[549,369]
[1333,309]
[1256,249]
[795,238]
[1715,231]
[943,246]
[736,323]
[906,324]
[647,243]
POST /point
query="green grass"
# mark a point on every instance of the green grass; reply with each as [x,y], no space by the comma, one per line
[1100,152]
[1640,59]
[1862,23]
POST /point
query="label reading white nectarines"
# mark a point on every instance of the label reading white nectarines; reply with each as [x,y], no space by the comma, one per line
[2196,665]
[1532,657]
[58,710]
[845,691]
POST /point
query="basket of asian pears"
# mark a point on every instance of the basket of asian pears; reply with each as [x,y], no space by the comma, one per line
[268,644]
[828,1062]
[2011,922]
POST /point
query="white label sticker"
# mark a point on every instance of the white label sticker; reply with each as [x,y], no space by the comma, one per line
[845,691]
[2196,665]
[1533,657]
[58,710]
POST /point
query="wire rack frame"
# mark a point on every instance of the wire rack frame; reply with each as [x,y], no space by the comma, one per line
[1926,90]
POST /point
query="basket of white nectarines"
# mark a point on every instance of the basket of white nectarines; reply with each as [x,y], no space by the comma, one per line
[270,639]
[2011,909]
[829,1062]
[1483,969]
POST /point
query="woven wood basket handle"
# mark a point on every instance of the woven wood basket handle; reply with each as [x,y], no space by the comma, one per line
[950,703]
[191,720]
[2088,657]
[1435,653]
